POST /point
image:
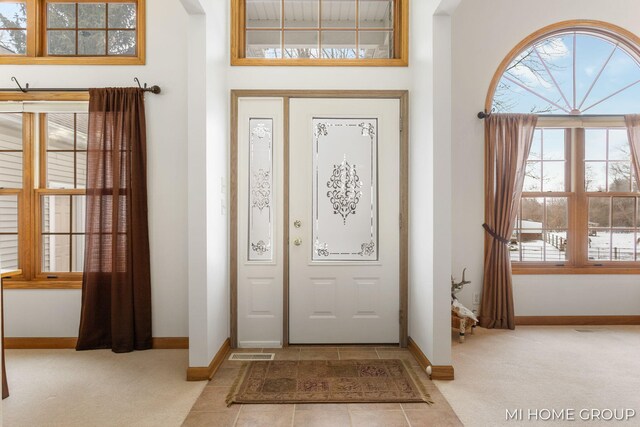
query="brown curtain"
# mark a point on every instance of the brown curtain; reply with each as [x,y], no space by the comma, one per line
[508,139]
[116,286]
[633,130]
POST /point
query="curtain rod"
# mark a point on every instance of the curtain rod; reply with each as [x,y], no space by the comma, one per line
[155,89]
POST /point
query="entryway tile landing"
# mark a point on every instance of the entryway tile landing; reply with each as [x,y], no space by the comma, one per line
[210,409]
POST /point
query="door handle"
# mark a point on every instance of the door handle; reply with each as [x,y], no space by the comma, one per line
[297,241]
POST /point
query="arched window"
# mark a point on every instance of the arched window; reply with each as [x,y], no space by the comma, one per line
[580,207]
[580,69]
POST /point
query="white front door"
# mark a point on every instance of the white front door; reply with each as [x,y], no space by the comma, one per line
[344,216]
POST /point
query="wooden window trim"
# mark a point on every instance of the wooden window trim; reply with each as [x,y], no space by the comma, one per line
[578,201]
[400,44]
[29,227]
[36,39]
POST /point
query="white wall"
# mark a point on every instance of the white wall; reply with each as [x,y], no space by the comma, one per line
[55,313]
[484,33]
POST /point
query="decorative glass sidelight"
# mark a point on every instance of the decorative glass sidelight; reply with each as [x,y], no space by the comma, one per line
[260,245]
[345,189]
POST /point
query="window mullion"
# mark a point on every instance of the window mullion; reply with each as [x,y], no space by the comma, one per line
[26,219]
[581,226]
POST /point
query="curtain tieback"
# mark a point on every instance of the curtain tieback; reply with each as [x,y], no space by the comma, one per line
[494,234]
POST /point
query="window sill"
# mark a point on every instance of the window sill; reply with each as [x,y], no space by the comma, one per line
[40,284]
[552,269]
[72,60]
[250,62]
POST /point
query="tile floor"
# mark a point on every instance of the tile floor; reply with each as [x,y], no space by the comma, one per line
[210,409]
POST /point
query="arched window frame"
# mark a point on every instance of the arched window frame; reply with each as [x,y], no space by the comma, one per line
[575,127]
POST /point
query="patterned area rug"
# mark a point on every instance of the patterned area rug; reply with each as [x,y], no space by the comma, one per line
[327,381]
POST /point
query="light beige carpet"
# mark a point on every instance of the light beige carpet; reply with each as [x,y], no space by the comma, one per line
[98,388]
[545,367]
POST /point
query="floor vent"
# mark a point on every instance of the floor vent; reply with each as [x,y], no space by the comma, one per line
[252,356]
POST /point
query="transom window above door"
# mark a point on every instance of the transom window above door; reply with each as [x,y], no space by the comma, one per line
[319,32]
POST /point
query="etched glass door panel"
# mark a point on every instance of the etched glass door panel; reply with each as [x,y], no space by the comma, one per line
[260,245]
[345,187]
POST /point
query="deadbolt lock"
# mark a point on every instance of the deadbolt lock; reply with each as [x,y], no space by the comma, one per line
[297,223]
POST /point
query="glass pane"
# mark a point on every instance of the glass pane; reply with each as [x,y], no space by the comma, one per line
[122,15]
[60,170]
[557,213]
[301,14]
[376,44]
[554,176]
[595,176]
[533,177]
[599,211]
[599,245]
[536,146]
[619,176]
[261,215]
[91,42]
[601,72]
[78,214]
[10,131]
[345,189]
[263,13]
[61,42]
[13,42]
[623,245]
[61,15]
[92,15]
[9,251]
[81,169]
[623,211]
[77,253]
[122,42]
[10,170]
[56,253]
[376,13]
[531,244]
[555,246]
[13,15]
[532,213]
[339,44]
[619,148]
[56,214]
[82,129]
[595,144]
[60,131]
[339,14]
[263,44]
[301,44]
[554,144]
[9,214]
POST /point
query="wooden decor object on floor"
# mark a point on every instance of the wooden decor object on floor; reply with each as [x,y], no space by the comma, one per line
[327,381]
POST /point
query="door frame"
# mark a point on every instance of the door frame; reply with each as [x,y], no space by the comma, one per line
[287,95]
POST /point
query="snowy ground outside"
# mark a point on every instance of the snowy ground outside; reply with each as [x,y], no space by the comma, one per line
[605,246]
